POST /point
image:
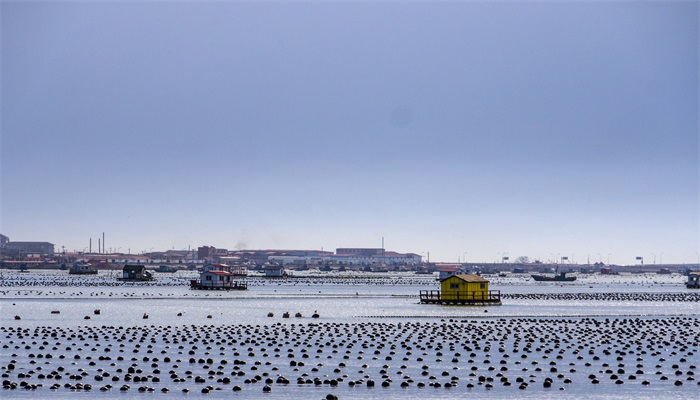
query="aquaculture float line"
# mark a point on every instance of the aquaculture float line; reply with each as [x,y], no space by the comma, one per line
[617,296]
[622,356]
[465,318]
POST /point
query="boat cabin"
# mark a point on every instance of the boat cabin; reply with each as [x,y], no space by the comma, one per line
[474,285]
[275,271]
[467,289]
[133,272]
[82,269]
[220,277]
[234,270]
[216,278]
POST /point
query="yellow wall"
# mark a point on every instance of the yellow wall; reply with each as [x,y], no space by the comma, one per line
[465,291]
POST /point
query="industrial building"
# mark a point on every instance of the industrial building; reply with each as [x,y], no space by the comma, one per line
[26,249]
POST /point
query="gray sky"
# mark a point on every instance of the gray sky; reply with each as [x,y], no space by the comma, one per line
[526,128]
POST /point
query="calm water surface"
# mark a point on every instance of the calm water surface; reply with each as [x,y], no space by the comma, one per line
[381,302]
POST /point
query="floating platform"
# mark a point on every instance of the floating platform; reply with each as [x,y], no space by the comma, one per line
[197,285]
[490,298]
[72,272]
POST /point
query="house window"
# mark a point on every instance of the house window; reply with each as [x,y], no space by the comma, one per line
[221,278]
[481,285]
[454,285]
[208,277]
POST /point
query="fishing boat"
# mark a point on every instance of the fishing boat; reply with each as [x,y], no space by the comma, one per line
[560,277]
[82,269]
[166,268]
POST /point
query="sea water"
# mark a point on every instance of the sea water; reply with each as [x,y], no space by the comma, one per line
[56,300]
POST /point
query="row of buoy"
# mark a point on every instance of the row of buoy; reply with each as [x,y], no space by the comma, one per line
[296,315]
[628,296]
[527,353]
[96,281]
[144,316]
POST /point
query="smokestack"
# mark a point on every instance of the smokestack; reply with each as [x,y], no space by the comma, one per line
[383,252]
[103,242]
[90,245]
[99,248]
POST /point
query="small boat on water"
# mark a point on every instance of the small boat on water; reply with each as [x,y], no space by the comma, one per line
[82,269]
[166,268]
[560,277]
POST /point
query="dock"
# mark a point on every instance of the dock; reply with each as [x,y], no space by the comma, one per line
[197,285]
[467,298]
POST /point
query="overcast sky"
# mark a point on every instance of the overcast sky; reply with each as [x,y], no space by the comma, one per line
[470,130]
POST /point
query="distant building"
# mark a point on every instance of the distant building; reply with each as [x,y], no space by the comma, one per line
[369,256]
[448,271]
[205,252]
[343,256]
[23,248]
[172,256]
[220,252]
[3,239]
[299,257]
[360,252]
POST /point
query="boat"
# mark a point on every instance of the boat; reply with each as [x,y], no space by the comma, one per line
[221,277]
[560,277]
[82,269]
[166,268]
[135,273]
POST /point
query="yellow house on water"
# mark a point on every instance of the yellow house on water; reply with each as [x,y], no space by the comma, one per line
[467,289]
